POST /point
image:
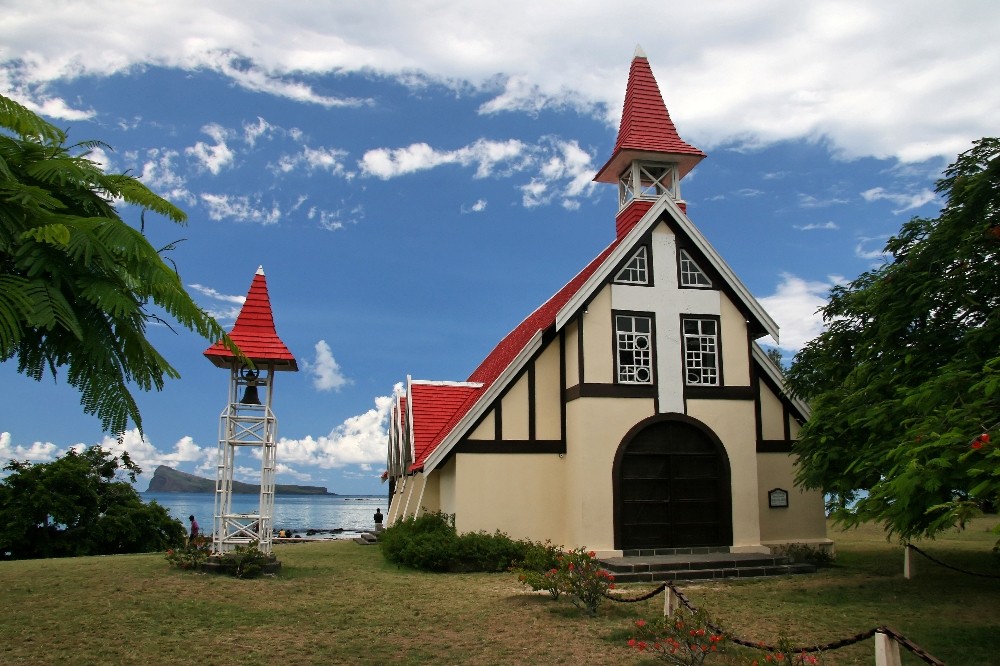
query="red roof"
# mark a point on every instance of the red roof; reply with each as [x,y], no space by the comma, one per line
[646,127]
[254,332]
[446,412]
[433,405]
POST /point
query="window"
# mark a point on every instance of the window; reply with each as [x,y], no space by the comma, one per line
[691,273]
[634,338]
[701,352]
[634,271]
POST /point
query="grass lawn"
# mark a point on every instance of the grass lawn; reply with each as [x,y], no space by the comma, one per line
[337,602]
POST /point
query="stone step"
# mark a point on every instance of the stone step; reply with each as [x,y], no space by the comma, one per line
[366,539]
[714,573]
[653,552]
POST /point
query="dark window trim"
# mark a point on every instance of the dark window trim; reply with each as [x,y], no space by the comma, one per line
[654,379]
[609,391]
[718,351]
[719,393]
[680,282]
[774,445]
[510,446]
[646,243]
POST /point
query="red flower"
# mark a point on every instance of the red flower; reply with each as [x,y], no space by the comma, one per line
[642,646]
[631,642]
[592,554]
[977,444]
[640,623]
[984,438]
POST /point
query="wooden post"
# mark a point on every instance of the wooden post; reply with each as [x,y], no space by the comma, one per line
[909,568]
[669,601]
[886,650]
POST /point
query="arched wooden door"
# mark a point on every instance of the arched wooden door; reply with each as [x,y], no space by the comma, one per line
[672,487]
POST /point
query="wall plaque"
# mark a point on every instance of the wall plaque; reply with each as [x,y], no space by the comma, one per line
[777,498]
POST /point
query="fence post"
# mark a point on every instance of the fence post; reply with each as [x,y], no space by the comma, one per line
[886,650]
[669,601]
[909,563]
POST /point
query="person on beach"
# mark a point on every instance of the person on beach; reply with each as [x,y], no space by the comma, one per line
[378,519]
[194,529]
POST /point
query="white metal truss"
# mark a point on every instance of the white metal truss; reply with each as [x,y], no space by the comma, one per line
[249,424]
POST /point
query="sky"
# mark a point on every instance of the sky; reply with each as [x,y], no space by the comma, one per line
[416,177]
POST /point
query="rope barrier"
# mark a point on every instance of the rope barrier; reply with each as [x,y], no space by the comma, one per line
[917,651]
[949,566]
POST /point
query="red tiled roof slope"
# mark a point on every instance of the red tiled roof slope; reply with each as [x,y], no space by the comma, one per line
[646,123]
[432,407]
[254,332]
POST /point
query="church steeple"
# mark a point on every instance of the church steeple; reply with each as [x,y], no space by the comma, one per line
[649,158]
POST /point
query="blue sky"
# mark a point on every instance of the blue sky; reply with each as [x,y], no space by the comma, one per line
[416,180]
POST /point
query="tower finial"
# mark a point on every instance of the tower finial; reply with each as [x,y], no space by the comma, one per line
[260,269]
[639,53]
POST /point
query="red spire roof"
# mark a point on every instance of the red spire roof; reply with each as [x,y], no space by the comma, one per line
[646,131]
[254,332]
[433,406]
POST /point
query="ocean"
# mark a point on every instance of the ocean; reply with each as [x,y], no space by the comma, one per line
[299,513]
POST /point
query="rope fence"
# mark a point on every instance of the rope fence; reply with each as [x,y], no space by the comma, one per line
[886,655]
[933,559]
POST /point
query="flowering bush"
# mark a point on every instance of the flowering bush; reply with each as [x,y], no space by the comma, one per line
[585,580]
[785,655]
[245,561]
[684,638]
[192,556]
[577,574]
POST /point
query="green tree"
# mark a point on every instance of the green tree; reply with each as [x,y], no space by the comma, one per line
[80,504]
[77,283]
[905,381]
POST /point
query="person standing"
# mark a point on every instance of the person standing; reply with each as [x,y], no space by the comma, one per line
[378,519]
[194,529]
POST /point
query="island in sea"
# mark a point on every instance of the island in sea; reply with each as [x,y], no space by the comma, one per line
[169,480]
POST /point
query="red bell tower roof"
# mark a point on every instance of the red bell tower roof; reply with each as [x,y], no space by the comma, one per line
[646,131]
[254,332]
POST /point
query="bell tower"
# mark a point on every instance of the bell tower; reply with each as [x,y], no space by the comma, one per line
[650,158]
[247,422]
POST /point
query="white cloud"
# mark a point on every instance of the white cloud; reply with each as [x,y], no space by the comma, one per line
[358,440]
[794,307]
[253,131]
[809,201]
[865,250]
[312,159]
[335,220]
[142,451]
[213,158]
[386,163]
[906,202]
[36,452]
[230,304]
[816,225]
[325,370]
[478,207]
[860,76]
[240,208]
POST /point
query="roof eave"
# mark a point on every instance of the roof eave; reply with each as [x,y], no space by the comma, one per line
[775,375]
[441,451]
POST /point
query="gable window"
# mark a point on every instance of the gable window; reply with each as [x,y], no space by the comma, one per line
[701,351]
[634,348]
[636,270]
[691,273]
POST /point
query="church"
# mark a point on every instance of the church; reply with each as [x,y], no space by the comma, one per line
[632,410]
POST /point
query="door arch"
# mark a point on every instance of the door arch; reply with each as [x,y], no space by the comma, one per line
[672,487]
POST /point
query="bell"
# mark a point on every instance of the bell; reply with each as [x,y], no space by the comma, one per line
[250,396]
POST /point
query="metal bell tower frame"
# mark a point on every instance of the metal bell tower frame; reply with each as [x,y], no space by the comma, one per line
[247,422]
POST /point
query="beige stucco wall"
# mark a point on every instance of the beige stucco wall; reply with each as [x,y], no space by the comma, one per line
[446,486]
[594,429]
[598,365]
[548,422]
[514,411]
[772,414]
[487,429]
[733,421]
[520,494]
[572,336]
[804,520]
[735,350]
[430,499]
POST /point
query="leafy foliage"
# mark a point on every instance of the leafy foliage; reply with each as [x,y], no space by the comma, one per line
[430,542]
[77,505]
[77,282]
[906,378]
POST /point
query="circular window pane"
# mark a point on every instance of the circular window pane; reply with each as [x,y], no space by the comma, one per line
[641,342]
[642,374]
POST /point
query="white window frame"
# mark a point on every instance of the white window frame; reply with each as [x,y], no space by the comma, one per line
[636,271]
[634,348]
[690,272]
[701,351]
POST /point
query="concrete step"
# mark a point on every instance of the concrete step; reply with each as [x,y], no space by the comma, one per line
[700,566]
[366,539]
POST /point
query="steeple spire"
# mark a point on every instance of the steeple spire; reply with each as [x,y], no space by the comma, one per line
[649,158]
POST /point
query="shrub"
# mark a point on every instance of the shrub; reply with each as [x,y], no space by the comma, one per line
[684,638]
[191,556]
[586,582]
[245,561]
